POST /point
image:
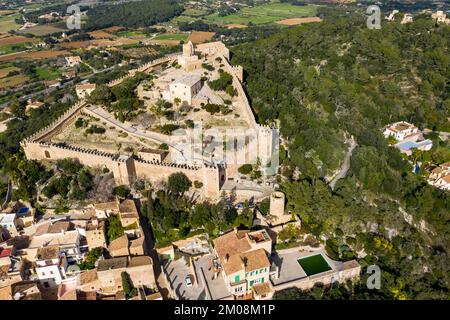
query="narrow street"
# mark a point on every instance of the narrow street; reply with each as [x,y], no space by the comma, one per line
[150,251]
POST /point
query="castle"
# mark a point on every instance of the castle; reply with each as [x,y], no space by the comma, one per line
[129,168]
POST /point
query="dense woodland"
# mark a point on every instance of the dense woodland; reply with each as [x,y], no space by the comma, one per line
[133,14]
[328,81]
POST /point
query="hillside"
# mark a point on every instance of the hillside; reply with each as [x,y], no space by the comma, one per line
[329,81]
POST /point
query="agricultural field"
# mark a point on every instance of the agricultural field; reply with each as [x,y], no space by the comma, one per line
[8,23]
[44,54]
[172,36]
[200,36]
[48,74]
[297,21]
[6,70]
[43,30]
[10,48]
[131,34]
[263,14]
[10,82]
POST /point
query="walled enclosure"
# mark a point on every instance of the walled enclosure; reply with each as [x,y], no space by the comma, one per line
[126,169]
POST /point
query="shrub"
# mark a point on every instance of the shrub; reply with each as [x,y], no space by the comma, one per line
[198,184]
[245,169]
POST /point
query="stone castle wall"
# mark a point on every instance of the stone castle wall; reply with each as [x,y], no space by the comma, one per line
[127,169]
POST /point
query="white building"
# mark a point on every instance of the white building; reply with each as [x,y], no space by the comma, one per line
[402,131]
[407,18]
[73,61]
[183,88]
[8,221]
[440,177]
[440,17]
[50,266]
[391,17]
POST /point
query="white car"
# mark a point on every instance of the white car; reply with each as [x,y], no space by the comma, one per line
[188,281]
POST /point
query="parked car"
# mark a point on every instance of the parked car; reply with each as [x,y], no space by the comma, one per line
[188,281]
[239,206]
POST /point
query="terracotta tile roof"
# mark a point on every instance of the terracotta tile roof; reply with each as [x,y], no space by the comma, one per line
[446,178]
[85,86]
[5,293]
[42,228]
[119,243]
[5,252]
[114,263]
[249,261]
[233,250]
[137,261]
[128,207]
[88,277]
[137,242]
[60,226]
[231,243]
[113,206]
[436,170]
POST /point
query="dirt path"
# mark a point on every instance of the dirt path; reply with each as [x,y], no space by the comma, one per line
[345,167]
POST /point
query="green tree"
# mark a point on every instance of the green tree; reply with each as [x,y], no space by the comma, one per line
[178,183]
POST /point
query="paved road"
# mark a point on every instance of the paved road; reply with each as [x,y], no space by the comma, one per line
[345,166]
[441,133]
[150,251]
[49,90]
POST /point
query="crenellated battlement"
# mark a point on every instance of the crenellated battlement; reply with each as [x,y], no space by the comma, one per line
[59,121]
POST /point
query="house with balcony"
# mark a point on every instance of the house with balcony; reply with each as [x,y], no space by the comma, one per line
[243,262]
[50,266]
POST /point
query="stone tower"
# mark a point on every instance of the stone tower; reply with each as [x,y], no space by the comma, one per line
[188,49]
[277,199]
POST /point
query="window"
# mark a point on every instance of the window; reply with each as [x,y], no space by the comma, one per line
[43,273]
[51,272]
[236,279]
[256,272]
[46,284]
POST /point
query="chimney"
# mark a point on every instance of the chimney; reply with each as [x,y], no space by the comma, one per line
[227,257]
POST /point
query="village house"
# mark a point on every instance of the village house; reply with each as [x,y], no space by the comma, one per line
[402,131]
[73,61]
[139,268]
[105,209]
[407,18]
[84,90]
[128,214]
[60,233]
[244,262]
[440,17]
[440,176]
[50,266]
[408,136]
[95,234]
[149,154]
